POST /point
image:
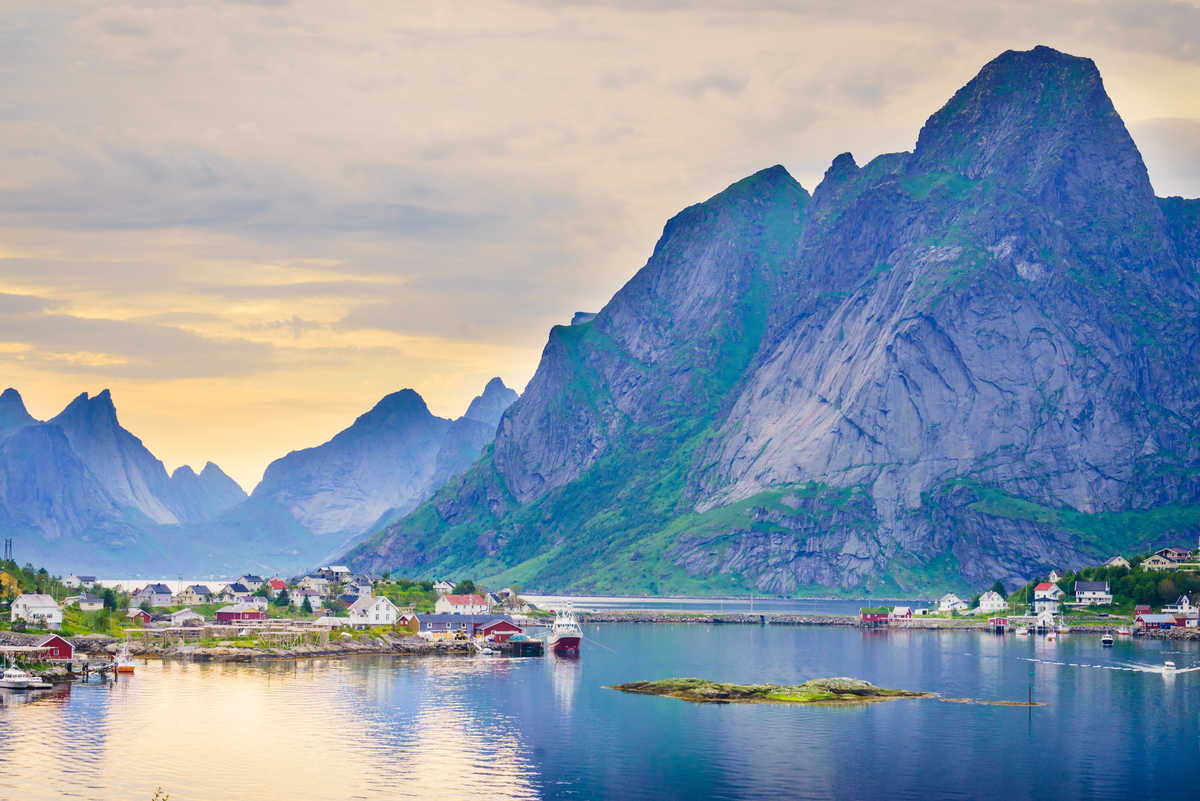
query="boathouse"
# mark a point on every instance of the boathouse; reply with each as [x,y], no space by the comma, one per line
[873,617]
[232,614]
[449,625]
[59,648]
[1153,622]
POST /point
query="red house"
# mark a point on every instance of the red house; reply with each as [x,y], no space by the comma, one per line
[138,617]
[873,618]
[499,629]
[59,648]
[232,614]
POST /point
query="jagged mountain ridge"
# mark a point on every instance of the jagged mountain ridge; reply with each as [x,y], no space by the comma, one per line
[968,362]
[80,491]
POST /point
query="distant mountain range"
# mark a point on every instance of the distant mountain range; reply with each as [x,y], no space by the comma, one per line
[79,492]
[972,361]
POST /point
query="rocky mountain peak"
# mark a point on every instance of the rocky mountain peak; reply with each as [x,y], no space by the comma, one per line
[406,404]
[94,413]
[13,414]
[489,407]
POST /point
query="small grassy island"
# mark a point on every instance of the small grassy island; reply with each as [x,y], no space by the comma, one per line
[816,691]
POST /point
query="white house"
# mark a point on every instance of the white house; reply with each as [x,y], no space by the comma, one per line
[368,611]
[991,602]
[251,582]
[900,613]
[443,587]
[1055,575]
[1093,593]
[1117,561]
[1183,606]
[297,599]
[1046,597]
[37,610]
[75,582]
[951,603]
[185,616]
[461,605]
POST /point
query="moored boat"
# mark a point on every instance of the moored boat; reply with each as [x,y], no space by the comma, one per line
[124,660]
[565,635]
[1107,640]
[1124,631]
[13,678]
[1168,666]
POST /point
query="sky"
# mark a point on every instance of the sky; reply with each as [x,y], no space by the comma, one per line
[251,220]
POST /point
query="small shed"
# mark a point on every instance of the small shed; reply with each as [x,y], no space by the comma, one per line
[499,629]
[139,617]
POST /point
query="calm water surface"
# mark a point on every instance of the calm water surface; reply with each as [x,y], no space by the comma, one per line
[449,728]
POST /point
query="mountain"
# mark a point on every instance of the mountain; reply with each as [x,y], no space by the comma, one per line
[975,360]
[388,461]
[81,492]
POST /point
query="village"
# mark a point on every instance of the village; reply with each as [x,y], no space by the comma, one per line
[1122,593]
[331,610]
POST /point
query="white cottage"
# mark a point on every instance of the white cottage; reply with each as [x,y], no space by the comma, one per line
[951,603]
[991,602]
[40,611]
[378,611]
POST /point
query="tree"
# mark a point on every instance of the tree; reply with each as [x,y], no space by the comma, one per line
[999,588]
[110,599]
[283,599]
[306,607]
[146,607]
[464,587]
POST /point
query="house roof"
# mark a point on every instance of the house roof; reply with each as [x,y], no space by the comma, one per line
[200,589]
[1148,618]
[901,610]
[251,577]
[238,586]
[88,598]
[1091,586]
[239,608]
[1045,585]
[277,584]
[157,589]
[52,637]
[137,613]
[365,602]
[36,599]
[465,600]
[475,620]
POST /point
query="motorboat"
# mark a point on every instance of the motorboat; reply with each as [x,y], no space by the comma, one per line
[1107,640]
[13,678]
[1168,666]
[1124,631]
[1021,631]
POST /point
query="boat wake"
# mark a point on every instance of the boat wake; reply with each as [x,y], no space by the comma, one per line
[1130,667]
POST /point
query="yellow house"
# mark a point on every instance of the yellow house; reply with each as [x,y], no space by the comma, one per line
[9,584]
[1157,562]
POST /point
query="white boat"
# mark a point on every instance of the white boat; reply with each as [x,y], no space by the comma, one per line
[1021,631]
[124,659]
[565,635]
[1107,640]
[13,678]
[1168,666]
[1063,628]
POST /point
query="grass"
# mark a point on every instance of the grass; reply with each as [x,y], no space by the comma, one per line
[816,691]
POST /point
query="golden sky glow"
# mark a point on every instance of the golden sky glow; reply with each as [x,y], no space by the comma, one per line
[251,220]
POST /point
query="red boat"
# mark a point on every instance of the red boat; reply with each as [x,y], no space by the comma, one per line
[565,636]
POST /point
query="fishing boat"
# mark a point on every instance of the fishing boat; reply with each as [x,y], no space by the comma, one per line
[124,660]
[565,635]
[1107,640]
[1063,628]
[1124,631]
[13,678]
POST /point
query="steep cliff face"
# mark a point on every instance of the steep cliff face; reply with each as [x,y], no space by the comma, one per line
[13,415]
[963,363]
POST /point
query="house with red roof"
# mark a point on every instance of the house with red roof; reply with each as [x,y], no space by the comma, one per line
[461,605]
[1046,597]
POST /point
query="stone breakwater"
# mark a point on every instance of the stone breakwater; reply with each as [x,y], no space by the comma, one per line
[384,644]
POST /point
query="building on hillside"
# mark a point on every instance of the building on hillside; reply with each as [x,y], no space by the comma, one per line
[451,626]
[1174,554]
[952,603]
[90,603]
[239,612]
[357,586]
[1156,562]
[138,617]
[296,599]
[1117,561]
[1141,609]
[443,587]
[314,585]
[275,586]
[154,594]
[900,613]
[79,582]
[377,611]
[1093,593]
[461,605]
[991,602]
[1183,606]
[338,573]
[234,593]
[37,610]
[1046,597]
[251,581]
[185,617]
[194,595]
[60,648]
[1055,575]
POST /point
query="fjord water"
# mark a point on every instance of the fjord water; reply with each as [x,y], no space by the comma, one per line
[546,728]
